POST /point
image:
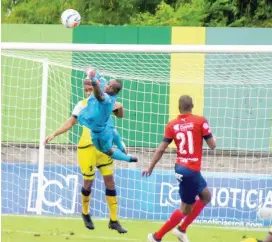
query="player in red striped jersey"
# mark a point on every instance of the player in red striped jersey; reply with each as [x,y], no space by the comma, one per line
[188,132]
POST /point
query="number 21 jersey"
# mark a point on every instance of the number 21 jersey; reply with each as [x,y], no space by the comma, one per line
[188,131]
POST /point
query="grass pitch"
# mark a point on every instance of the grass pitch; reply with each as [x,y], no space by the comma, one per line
[43,229]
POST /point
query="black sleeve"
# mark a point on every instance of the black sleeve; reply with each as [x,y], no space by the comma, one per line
[207,136]
[167,140]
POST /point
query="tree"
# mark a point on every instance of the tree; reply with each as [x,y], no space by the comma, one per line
[185,14]
[220,13]
[35,11]
[163,16]
[233,13]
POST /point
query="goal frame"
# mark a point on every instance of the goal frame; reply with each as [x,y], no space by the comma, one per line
[115,48]
[133,48]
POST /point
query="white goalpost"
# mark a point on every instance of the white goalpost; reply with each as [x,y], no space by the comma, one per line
[230,85]
[42,136]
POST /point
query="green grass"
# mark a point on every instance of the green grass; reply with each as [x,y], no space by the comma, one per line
[35,229]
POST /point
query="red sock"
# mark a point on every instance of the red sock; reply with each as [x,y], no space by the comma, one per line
[197,208]
[173,221]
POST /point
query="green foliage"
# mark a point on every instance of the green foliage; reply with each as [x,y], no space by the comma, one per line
[216,13]
[35,11]
[115,12]
[192,14]
[186,14]
[220,13]
[164,15]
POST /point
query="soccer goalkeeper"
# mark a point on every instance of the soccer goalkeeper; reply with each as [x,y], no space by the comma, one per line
[90,158]
[96,115]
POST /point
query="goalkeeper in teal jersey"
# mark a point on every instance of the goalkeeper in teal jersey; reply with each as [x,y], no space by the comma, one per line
[97,116]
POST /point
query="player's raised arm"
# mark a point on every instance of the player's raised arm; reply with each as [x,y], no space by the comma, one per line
[118,110]
[94,77]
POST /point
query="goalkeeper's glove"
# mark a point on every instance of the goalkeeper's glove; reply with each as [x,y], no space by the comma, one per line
[95,77]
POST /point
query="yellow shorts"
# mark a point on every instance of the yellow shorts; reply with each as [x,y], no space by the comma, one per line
[89,158]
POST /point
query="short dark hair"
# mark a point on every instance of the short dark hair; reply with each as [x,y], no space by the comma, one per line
[119,85]
[185,104]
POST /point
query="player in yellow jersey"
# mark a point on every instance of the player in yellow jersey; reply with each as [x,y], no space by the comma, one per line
[268,238]
[89,159]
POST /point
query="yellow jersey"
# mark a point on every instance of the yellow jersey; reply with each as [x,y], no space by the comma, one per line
[85,139]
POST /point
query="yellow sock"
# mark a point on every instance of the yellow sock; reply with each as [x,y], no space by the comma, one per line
[86,197]
[112,203]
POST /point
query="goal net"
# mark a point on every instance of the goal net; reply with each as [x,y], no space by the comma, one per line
[231,86]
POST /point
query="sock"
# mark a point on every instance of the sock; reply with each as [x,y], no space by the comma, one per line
[172,222]
[119,155]
[197,208]
[118,142]
[86,196]
[112,203]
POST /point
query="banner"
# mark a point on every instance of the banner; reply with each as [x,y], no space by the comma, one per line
[235,197]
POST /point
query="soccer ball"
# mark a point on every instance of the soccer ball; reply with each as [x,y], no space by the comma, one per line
[70,18]
[265,213]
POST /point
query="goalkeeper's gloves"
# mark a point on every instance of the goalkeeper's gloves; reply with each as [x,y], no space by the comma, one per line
[95,78]
[93,75]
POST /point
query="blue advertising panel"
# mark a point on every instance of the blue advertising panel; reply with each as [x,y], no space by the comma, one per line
[235,197]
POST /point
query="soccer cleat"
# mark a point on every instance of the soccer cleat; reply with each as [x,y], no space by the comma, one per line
[88,221]
[117,226]
[151,238]
[133,159]
[180,235]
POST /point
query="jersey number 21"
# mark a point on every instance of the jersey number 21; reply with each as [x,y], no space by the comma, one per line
[186,138]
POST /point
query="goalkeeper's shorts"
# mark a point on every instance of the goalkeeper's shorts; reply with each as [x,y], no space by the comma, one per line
[103,141]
